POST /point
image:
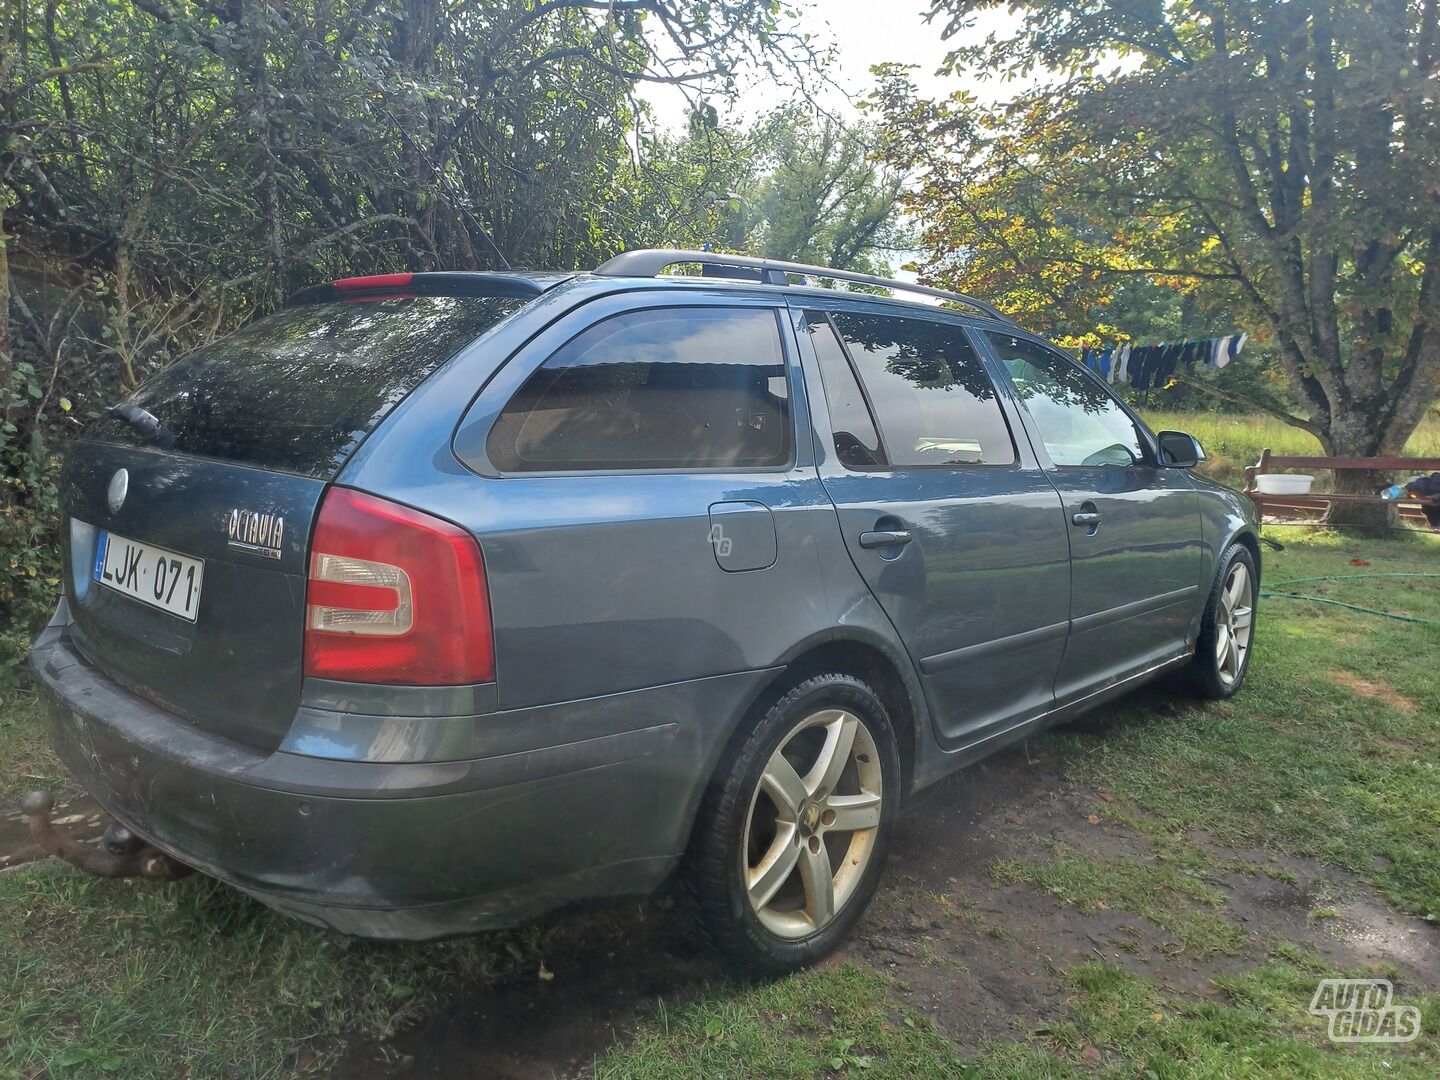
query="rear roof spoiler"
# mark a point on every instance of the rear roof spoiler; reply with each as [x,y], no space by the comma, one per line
[432,283]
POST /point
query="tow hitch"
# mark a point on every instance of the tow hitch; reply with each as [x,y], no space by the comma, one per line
[120,852]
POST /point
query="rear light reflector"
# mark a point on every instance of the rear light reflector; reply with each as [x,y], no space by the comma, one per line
[356,596]
[395,596]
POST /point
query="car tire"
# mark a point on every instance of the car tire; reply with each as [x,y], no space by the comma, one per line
[792,836]
[1227,630]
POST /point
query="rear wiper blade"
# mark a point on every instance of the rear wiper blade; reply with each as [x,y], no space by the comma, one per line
[144,422]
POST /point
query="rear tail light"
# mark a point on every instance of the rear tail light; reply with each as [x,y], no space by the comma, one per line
[395,596]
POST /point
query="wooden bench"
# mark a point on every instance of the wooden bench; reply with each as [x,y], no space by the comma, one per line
[1405,468]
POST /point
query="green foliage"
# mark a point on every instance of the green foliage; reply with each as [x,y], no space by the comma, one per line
[170,170]
[1273,162]
[823,197]
[29,560]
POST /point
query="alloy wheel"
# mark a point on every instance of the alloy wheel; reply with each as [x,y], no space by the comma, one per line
[1233,622]
[813,820]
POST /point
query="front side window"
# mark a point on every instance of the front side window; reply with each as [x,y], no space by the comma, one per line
[931,395]
[667,388]
[1078,420]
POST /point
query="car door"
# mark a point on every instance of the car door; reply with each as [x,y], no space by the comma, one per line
[1136,549]
[948,518]
[645,507]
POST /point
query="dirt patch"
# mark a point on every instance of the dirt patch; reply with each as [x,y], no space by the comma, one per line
[1369,689]
[604,972]
[77,814]
[982,958]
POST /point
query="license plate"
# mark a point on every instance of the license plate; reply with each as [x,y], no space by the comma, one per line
[163,579]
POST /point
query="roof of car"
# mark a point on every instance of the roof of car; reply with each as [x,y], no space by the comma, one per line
[717,270]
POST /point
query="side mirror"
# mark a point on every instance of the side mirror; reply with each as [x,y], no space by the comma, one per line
[1179,450]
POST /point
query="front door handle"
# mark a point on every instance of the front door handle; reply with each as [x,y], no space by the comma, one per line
[885,538]
[1085,517]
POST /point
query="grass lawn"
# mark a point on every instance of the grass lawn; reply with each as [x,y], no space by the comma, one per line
[26,760]
[1331,753]
[841,1022]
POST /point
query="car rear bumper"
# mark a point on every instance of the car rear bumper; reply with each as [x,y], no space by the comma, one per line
[401,850]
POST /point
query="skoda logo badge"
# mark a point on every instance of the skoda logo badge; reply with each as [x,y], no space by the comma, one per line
[119,488]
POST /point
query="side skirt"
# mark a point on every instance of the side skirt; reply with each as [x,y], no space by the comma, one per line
[945,763]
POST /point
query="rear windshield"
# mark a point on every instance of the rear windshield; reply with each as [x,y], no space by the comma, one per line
[298,391]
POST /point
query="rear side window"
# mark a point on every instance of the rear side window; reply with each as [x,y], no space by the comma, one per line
[666,388]
[857,443]
[298,391]
[930,392]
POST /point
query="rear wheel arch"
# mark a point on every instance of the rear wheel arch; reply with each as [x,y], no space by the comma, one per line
[863,656]
[869,661]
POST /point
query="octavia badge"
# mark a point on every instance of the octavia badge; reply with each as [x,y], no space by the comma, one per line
[119,488]
[257,533]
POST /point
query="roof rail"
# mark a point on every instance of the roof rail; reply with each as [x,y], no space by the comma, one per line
[649,262]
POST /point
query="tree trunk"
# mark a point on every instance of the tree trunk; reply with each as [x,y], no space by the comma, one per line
[1361,482]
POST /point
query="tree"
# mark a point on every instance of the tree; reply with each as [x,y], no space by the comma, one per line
[1280,158]
[794,185]
[823,196]
[170,168]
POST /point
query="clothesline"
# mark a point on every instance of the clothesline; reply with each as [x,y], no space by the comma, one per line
[1147,366]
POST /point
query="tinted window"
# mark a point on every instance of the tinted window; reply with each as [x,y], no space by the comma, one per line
[299,390]
[670,388]
[857,444]
[1078,420]
[932,397]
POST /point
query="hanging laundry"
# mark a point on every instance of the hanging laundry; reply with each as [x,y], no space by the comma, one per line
[1143,369]
[1136,366]
[1153,366]
[1231,350]
[1165,367]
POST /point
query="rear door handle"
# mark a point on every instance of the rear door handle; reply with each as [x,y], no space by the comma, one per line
[1085,517]
[885,538]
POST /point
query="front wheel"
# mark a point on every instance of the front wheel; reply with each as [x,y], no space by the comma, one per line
[1222,654]
[791,841]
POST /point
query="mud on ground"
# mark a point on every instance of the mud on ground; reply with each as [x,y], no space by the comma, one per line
[978,954]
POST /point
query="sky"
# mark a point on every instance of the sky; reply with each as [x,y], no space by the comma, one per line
[865,32]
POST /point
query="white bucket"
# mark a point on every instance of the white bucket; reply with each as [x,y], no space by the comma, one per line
[1284,484]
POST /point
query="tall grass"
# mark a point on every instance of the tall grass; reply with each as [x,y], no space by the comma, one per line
[1233,442]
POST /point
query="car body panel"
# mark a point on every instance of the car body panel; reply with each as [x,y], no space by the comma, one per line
[979,597]
[1135,576]
[246,687]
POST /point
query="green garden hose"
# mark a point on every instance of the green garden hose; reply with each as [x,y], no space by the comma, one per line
[1351,577]
[1353,607]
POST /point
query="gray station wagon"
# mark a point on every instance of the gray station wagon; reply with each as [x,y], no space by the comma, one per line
[437,601]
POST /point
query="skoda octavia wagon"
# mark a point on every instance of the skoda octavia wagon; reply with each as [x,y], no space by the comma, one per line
[437,601]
